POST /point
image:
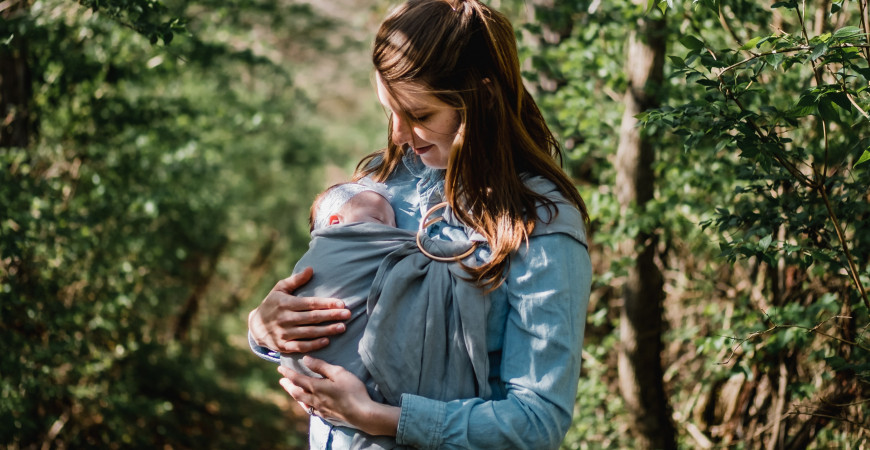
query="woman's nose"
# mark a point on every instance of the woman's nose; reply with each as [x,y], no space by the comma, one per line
[401,131]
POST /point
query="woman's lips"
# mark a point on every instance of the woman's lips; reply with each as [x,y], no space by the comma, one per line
[422,150]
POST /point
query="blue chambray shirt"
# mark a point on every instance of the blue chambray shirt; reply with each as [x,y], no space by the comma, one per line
[534,337]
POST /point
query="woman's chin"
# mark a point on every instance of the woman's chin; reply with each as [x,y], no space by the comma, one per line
[433,163]
[431,159]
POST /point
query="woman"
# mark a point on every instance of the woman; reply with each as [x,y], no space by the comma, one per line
[463,129]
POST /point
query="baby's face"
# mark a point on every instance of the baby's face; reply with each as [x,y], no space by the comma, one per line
[368,206]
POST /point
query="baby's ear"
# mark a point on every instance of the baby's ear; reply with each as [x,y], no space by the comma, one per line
[334,219]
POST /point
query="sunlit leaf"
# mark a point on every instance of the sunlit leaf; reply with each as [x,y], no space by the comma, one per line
[847,31]
[752,43]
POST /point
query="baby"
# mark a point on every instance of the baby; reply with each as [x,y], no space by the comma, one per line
[362,208]
[345,203]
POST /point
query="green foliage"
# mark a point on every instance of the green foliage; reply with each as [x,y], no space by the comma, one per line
[596,405]
[760,147]
[164,184]
[796,156]
[787,111]
[149,18]
[173,155]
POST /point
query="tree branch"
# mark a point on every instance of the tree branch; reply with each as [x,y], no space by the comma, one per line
[814,330]
[853,271]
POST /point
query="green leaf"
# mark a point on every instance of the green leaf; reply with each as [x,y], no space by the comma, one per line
[691,42]
[818,51]
[864,158]
[765,242]
[841,99]
[846,32]
[774,59]
[752,43]
[677,61]
[827,111]
[663,6]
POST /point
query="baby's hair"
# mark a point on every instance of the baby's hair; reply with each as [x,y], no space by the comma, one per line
[315,205]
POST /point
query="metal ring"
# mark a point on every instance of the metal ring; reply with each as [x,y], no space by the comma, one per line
[424,224]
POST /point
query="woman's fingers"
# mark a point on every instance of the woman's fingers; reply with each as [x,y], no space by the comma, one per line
[311,332]
[294,281]
[314,303]
[321,367]
[299,386]
[291,324]
[289,318]
[288,286]
[302,346]
[295,391]
[339,395]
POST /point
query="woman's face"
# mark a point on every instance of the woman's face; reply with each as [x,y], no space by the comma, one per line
[425,124]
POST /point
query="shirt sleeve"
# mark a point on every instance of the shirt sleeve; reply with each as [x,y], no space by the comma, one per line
[263,352]
[548,287]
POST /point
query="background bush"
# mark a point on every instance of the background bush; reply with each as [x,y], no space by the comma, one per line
[157,161]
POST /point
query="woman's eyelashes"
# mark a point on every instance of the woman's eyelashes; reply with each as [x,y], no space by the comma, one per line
[420,117]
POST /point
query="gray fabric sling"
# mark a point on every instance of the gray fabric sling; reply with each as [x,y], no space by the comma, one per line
[414,328]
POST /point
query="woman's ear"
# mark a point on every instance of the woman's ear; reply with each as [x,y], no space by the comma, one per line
[334,219]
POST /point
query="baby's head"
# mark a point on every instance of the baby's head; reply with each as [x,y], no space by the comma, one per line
[362,201]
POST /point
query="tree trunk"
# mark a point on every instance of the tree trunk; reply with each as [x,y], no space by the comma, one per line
[640,367]
[205,266]
[16,121]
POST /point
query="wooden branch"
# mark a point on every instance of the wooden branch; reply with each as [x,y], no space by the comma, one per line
[798,48]
[814,330]
[853,271]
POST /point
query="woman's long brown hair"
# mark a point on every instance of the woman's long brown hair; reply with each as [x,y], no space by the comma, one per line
[465,54]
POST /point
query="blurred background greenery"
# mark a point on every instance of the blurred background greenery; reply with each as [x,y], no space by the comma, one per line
[157,161]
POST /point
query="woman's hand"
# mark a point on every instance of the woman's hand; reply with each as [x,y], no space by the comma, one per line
[341,396]
[291,324]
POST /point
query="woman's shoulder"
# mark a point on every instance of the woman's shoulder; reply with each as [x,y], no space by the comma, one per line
[559,216]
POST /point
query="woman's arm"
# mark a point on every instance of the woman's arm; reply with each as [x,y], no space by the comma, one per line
[548,291]
[286,323]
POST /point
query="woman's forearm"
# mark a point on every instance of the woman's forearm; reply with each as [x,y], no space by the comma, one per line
[379,419]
